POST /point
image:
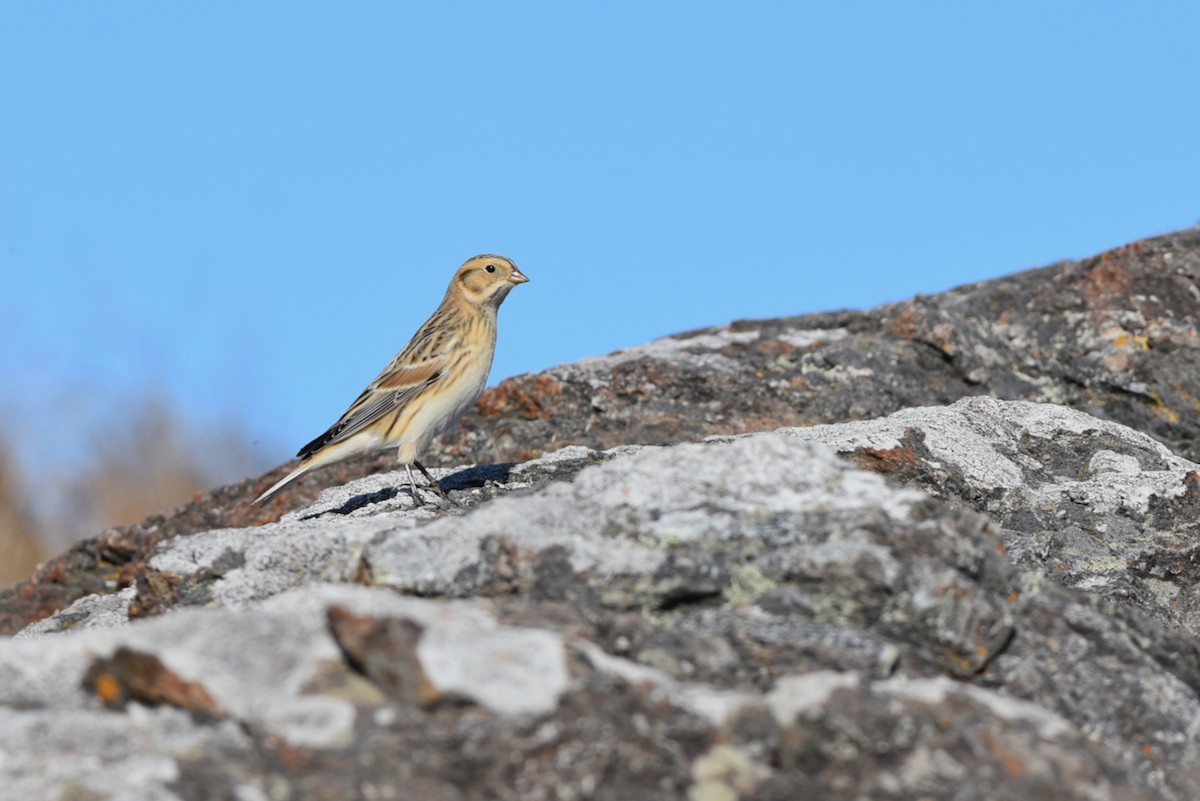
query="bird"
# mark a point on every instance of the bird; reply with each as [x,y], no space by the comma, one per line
[428,385]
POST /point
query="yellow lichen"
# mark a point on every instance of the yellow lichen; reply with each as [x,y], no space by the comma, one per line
[748,584]
[1160,408]
[1124,339]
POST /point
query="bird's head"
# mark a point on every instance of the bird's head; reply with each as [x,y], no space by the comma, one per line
[486,280]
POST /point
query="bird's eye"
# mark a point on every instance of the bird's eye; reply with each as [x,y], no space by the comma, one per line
[491,268]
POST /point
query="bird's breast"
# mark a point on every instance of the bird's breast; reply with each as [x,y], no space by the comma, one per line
[463,382]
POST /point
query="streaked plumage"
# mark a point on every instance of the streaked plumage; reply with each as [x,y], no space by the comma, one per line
[429,384]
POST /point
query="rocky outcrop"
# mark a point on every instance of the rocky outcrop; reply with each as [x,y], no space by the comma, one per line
[1113,335]
[747,617]
[962,567]
[1088,503]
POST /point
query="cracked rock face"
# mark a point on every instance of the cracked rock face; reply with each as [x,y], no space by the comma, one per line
[1113,335]
[750,617]
[943,549]
[1087,502]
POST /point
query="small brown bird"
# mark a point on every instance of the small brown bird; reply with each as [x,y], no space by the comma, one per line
[429,384]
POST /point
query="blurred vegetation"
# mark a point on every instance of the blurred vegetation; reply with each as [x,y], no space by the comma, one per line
[20,545]
[152,461]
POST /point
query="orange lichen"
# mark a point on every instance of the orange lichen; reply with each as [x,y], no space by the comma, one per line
[107,688]
[1161,410]
[528,396]
[773,348]
[1009,762]
[885,460]
[1124,339]
[1106,280]
[904,324]
[133,675]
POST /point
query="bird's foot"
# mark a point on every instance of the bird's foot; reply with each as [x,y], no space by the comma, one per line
[433,485]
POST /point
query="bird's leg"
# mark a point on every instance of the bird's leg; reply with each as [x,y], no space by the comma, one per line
[412,484]
[438,488]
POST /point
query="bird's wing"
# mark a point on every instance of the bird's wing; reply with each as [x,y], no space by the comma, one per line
[418,367]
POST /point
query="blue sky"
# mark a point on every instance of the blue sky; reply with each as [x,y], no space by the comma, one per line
[247,208]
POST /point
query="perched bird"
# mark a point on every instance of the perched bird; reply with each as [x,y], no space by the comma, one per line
[429,384]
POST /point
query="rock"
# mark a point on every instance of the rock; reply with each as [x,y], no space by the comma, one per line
[747,617]
[1114,335]
[1090,503]
[961,568]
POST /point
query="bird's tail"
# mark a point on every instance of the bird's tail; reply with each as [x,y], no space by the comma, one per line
[318,458]
[280,485]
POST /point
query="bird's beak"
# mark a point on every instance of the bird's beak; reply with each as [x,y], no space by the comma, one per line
[517,277]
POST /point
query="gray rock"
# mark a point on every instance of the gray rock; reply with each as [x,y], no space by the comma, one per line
[751,617]
[1113,335]
[1091,503]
